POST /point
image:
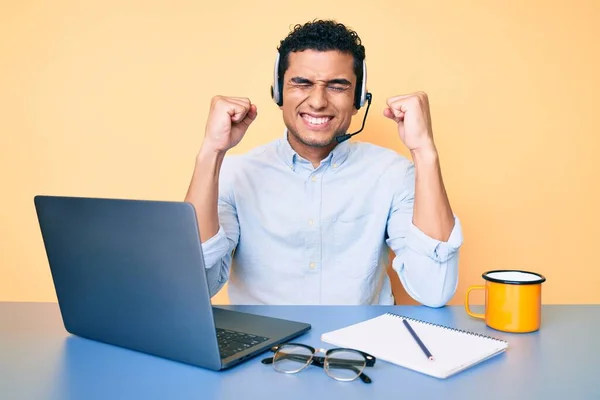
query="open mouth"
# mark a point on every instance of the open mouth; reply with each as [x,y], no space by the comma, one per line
[316,122]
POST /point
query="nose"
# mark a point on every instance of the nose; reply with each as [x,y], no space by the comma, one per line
[318,97]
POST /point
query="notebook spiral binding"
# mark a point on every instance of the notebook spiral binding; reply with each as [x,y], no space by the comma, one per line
[446,327]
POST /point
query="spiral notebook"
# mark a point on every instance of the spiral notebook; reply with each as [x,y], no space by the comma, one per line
[387,338]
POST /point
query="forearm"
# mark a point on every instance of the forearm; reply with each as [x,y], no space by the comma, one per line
[432,213]
[204,190]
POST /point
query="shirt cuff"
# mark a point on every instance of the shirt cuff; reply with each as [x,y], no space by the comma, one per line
[435,249]
[215,248]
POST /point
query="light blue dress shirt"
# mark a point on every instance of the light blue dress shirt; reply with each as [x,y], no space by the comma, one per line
[294,234]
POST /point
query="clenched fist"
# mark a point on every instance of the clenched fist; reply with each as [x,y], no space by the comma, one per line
[228,120]
[411,113]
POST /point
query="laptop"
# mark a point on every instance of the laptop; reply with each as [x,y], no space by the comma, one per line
[131,273]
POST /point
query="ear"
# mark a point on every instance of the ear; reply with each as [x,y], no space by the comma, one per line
[354,110]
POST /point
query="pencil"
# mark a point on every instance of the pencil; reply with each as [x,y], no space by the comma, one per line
[417,339]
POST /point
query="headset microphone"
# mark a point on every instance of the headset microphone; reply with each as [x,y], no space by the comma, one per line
[347,136]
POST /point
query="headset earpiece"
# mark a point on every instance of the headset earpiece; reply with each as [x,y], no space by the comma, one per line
[276,87]
[361,96]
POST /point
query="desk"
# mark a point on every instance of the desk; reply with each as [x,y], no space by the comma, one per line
[40,360]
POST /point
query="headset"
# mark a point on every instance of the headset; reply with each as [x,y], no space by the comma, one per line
[360,97]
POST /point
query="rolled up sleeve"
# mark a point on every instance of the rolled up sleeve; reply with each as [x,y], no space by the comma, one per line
[438,251]
[215,248]
[217,260]
[427,267]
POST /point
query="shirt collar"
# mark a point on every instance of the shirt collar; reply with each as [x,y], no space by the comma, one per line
[336,157]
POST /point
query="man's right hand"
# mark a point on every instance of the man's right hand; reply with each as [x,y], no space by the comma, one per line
[228,120]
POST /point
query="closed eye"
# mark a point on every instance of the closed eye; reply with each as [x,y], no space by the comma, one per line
[339,88]
[301,82]
[337,85]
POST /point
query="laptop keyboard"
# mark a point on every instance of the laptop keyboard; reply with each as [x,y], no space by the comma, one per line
[231,342]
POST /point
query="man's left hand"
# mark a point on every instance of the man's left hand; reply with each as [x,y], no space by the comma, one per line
[411,113]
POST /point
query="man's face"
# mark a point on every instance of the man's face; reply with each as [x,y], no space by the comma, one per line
[318,96]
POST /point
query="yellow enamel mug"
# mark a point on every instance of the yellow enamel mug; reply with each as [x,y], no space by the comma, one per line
[513,300]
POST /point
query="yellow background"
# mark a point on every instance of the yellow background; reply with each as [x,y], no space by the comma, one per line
[109,98]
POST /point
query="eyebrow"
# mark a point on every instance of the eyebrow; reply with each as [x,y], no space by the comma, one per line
[336,81]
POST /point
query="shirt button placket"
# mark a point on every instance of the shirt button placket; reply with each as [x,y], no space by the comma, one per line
[314,236]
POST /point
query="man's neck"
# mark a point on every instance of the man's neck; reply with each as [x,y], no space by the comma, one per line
[311,153]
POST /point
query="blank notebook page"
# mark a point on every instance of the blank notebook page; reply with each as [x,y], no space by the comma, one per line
[386,338]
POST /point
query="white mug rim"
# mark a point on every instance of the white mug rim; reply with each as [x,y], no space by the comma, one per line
[487,277]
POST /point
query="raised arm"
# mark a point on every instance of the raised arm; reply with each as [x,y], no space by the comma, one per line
[432,213]
[228,120]
[422,229]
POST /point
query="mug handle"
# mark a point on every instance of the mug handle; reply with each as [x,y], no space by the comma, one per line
[471,313]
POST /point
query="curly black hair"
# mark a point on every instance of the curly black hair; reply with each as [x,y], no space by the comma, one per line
[322,35]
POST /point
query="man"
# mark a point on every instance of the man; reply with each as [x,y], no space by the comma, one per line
[308,220]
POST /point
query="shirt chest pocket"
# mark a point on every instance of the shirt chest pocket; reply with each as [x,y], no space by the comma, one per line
[358,241]
[349,227]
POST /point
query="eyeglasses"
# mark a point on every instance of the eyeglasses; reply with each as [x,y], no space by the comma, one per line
[341,364]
